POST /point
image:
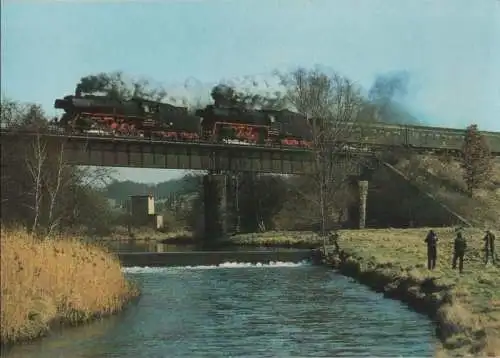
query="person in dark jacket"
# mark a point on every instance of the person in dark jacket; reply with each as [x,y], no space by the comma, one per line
[489,246]
[460,246]
[431,241]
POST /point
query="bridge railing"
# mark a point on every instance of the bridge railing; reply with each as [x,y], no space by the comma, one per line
[53,131]
[361,140]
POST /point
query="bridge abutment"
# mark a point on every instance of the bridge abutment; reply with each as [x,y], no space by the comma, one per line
[363,195]
[215,202]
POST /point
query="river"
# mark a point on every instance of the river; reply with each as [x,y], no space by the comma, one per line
[278,310]
[153,246]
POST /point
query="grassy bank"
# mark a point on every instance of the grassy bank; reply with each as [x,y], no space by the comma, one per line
[466,308]
[284,239]
[121,233]
[269,238]
[56,281]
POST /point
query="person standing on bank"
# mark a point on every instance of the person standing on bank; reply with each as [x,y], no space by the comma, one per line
[460,246]
[431,241]
[489,246]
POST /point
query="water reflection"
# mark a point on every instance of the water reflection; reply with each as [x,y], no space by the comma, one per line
[155,246]
[147,246]
[61,343]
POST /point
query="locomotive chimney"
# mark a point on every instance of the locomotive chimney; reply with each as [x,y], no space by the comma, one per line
[223,95]
[78,91]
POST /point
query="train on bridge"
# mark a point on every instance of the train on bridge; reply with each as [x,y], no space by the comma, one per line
[225,122]
[221,122]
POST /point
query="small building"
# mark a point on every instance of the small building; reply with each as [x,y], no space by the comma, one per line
[159,222]
[112,203]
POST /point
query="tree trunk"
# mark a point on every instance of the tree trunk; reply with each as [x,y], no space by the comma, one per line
[35,167]
[54,192]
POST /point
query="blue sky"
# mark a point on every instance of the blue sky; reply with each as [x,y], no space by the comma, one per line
[451,49]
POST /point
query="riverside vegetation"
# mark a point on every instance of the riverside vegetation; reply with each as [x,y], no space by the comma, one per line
[465,307]
[56,281]
[59,279]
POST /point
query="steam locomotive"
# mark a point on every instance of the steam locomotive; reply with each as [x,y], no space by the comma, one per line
[220,122]
[229,123]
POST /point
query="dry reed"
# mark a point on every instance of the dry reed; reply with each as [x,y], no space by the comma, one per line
[56,281]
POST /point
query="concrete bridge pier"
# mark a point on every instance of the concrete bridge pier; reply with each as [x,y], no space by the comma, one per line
[363,194]
[215,203]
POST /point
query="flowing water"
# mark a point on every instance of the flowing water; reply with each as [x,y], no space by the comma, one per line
[154,246]
[242,310]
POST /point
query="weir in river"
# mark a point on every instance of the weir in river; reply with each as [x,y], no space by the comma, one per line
[240,309]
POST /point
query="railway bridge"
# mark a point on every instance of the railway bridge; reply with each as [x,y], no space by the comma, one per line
[219,159]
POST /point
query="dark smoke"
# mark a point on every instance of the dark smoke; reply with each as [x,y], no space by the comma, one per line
[383,94]
[388,86]
[93,83]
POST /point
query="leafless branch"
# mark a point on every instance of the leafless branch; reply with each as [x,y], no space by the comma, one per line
[35,162]
[54,190]
[331,104]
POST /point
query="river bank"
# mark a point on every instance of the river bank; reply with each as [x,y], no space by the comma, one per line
[465,307]
[288,239]
[121,233]
[55,282]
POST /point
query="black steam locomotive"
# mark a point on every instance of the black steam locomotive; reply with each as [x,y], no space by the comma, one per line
[227,122]
[221,122]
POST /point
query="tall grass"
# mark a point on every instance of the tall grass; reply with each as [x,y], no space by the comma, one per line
[53,281]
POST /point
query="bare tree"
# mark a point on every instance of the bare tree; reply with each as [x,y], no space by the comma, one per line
[9,111]
[333,101]
[56,181]
[39,188]
[89,177]
[331,104]
[35,161]
[22,163]
[49,176]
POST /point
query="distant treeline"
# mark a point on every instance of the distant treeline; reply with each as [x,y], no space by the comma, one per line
[121,190]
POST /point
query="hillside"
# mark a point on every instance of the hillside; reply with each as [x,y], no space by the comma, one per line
[121,190]
[443,179]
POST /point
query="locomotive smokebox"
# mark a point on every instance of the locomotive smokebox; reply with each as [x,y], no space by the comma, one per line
[61,104]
